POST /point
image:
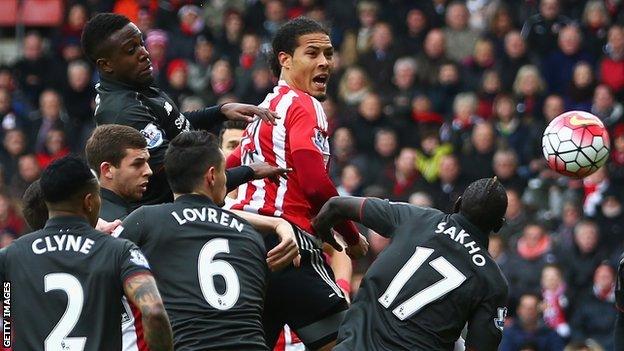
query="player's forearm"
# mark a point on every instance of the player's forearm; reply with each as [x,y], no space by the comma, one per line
[156,328]
[618,336]
[237,176]
[263,224]
[207,118]
[338,209]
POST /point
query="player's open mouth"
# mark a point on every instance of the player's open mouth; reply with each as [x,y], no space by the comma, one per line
[320,81]
[143,187]
[148,69]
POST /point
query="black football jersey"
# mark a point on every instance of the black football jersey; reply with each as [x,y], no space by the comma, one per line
[66,285]
[432,279]
[210,267]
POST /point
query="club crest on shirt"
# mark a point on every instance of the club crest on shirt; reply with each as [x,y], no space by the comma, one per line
[136,256]
[168,108]
[321,141]
[153,136]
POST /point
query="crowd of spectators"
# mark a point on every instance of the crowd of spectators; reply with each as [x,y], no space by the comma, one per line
[425,97]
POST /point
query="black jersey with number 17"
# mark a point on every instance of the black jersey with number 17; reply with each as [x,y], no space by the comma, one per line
[210,267]
[66,284]
[432,279]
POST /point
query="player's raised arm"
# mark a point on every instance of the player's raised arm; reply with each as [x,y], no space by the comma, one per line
[287,251]
[141,291]
[485,328]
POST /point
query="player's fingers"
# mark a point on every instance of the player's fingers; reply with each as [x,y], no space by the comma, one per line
[297,260]
[267,115]
[283,246]
[280,261]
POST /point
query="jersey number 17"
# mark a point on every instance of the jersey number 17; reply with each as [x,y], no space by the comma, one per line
[453,278]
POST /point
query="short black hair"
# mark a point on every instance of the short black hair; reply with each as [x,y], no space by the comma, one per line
[98,30]
[66,179]
[287,38]
[239,125]
[189,156]
[34,208]
[484,203]
[108,143]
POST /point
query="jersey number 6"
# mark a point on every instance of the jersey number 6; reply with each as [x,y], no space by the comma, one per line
[453,278]
[57,339]
[208,267]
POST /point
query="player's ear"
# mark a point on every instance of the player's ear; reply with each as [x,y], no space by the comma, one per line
[106,170]
[457,205]
[210,175]
[104,65]
[284,59]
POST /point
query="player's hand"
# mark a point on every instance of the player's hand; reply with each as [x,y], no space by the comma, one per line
[323,229]
[264,170]
[244,112]
[107,227]
[358,250]
[286,251]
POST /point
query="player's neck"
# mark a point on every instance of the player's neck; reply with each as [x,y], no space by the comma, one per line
[61,212]
[204,193]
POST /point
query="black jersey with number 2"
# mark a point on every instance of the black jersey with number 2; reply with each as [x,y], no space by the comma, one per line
[431,280]
[66,284]
[210,267]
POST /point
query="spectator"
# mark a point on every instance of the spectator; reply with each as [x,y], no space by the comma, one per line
[482,59]
[553,107]
[381,161]
[610,220]
[275,16]
[555,300]
[229,40]
[261,85]
[191,26]
[248,59]
[403,179]
[430,154]
[528,327]
[528,88]
[533,251]
[497,248]
[606,108]
[221,84]
[460,39]
[354,86]
[177,80]
[32,71]
[594,186]
[49,115]
[351,181]
[343,152]
[558,66]
[54,148]
[10,219]
[581,261]
[379,60]
[516,217]
[357,41]
[499,26]
[430,60]
[581,89]
[450,185]
[616,164]
[595,27]
[477,161]
[9,119]
[541,30]
[513,58]
[593,316]
[417,25]
[464,119]
[370,117]
[14,145]
[612,64]
[514,133]
[489,88]
[156,43]
[421,199]
[79,98]
[199,68]
[445,89]
[403,79]
[564,234]
[422,112]
[28,171]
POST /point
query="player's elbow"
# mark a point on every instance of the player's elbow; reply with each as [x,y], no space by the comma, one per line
[157,328]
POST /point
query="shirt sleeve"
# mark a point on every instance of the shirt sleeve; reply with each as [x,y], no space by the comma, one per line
[132,261]
[140,118]
[384,216]
[303,131]
[132,227]
[208,119]
[485,328]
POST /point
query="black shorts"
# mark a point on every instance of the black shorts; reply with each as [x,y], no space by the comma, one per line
[306,298]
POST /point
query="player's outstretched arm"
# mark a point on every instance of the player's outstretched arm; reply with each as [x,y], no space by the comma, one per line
[141,291]
[287,250]
[336,210]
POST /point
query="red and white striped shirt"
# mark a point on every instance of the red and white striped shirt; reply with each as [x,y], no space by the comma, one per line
[302,126]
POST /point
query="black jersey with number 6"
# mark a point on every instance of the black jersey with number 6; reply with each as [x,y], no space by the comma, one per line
[210,268]
[431,280]
[66,284]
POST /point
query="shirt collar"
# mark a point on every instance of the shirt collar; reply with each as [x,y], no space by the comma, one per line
[111,196]
[196,199]
[111,84]
[67,221]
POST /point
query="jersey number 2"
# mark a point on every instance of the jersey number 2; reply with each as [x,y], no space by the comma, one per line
[453,278]
[57,339]
[208,268]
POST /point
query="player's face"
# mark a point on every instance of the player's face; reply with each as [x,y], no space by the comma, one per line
[128,61]
[311,64]
[230,140]
[131,177]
